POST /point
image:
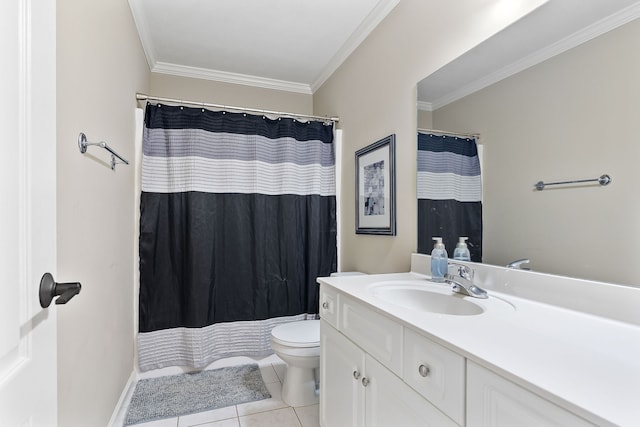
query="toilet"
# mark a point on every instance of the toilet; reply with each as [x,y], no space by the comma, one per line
[298,344]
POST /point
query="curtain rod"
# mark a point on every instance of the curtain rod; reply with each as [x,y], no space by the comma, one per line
[143,97]
[444,132]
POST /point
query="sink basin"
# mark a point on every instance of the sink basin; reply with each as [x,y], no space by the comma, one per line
[427,297]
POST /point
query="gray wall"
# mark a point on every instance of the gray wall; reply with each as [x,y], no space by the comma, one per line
[100,67]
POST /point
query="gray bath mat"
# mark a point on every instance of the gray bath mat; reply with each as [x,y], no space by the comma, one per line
[175,395]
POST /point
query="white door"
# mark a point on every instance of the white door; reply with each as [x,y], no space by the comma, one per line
[28,395]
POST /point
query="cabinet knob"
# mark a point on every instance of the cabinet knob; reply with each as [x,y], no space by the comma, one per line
[424,370]
[356,375]
[365,381]
[325,305]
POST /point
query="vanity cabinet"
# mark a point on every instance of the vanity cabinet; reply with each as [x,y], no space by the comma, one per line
[357,390]
[493,401]
[361,370]
[376,371]
[522,362]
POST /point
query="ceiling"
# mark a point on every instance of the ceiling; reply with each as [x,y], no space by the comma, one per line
[553,28]
[296,45]
[289,45]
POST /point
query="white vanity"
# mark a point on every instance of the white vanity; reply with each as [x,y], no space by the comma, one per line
[389,357]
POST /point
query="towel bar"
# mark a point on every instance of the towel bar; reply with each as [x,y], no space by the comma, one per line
[602,180]
[83,144]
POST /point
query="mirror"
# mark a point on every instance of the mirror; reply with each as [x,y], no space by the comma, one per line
[573,115]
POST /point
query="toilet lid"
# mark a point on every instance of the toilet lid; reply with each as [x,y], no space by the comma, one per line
[304,333]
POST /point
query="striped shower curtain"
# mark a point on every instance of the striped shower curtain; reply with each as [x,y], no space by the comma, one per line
[237,219]
[449,193]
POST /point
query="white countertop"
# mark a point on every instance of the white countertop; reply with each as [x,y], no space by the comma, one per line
[588,364]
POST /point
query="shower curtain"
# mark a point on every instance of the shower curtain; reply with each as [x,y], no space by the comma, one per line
[449,193]
[237,220]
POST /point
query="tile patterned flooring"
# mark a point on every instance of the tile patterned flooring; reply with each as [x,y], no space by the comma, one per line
[271,412]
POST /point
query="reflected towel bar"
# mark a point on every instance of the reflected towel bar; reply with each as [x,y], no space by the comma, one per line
[602,180]
[83,144]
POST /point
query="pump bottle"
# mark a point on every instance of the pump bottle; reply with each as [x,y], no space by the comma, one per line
[461,253]
[439,260]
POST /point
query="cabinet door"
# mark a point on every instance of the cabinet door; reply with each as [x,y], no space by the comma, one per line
[341,370]
[390,402]
[493,401]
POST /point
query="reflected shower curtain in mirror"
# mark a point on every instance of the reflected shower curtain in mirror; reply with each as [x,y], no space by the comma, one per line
[237,220]
[449,193]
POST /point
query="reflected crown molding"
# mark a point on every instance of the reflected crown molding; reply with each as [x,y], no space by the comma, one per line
[425,106]
[588,33]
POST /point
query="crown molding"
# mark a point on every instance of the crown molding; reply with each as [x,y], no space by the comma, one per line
[425,106]
[143,32]
[588,33]
[382,9]
[203,73]
[226,77]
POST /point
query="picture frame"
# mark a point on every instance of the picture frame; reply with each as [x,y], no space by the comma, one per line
[376,188]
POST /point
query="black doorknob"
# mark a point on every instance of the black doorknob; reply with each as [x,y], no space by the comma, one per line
[49,289]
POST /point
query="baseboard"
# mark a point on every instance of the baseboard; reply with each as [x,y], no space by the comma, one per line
[117,418]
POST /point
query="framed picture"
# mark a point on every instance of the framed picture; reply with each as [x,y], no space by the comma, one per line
[376,188]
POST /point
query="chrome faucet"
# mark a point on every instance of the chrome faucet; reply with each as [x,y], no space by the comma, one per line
[463,282]
[518,264]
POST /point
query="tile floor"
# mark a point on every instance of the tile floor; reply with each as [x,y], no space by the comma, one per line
[271,412]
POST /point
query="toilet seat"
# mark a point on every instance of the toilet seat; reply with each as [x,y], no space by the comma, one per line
[301,334]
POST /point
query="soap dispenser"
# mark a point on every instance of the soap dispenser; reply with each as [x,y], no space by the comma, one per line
[461,253]
[439,260]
